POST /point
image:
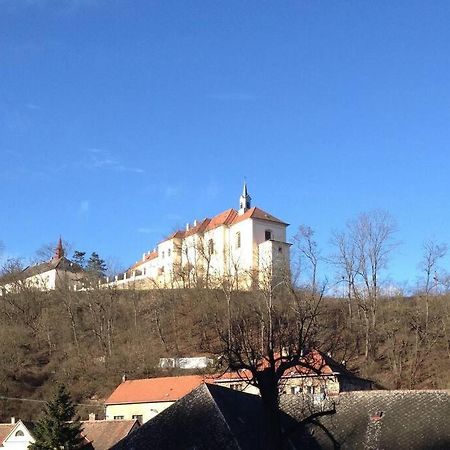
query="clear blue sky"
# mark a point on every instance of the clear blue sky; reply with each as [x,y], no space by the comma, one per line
[122,119]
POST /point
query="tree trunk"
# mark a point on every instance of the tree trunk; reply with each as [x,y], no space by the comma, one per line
[268,386]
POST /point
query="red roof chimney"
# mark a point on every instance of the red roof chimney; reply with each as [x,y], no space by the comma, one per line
[59,251]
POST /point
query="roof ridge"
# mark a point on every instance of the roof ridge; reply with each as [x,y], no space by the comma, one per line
[206,385]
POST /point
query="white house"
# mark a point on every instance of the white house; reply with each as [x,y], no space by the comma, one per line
[57,273]
[16,435]
[237,246]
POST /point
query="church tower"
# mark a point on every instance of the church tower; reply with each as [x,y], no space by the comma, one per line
[244,200]
[59,251]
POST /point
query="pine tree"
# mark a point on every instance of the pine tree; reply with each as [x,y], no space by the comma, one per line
[96,266]
[78,258]
[54,430]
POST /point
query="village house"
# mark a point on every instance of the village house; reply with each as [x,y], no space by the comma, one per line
[318,377]
[145,398]
[16,435]
[241,247]
[215,417]
[58,273]
[96,434]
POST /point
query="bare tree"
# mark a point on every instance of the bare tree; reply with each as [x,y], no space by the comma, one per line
[363,251]
[433,252]
[267,331]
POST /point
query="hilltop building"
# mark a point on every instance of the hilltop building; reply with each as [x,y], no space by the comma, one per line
[241,247]
[57,273]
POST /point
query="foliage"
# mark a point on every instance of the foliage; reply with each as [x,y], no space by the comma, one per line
[79,258]
[96,266]
[56,429]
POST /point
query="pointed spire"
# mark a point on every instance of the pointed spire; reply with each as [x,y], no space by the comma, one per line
[244,190]
[244,200]
[59,251]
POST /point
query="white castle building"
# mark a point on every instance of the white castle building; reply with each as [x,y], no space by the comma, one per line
[242,247]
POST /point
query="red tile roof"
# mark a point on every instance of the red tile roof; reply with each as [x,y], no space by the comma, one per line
[165,389]
[103,434]
[257,213]
[228,217]
[147,258]
[5,429]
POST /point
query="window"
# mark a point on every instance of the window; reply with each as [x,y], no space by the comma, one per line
[168,252]
[118,417]
[137,417]
[238,239]
[268,235]
[296,390]
[19,433]
[162,255]
[236,386]
[211,246]
[280,249]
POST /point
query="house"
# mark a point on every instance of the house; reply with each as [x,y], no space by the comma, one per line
[215,417]
[57,273]
[97,434]
[209,417]
[241,247]
[145,398]
[16,435]
[104,434]
[413,420]
[321,379]
[318,377]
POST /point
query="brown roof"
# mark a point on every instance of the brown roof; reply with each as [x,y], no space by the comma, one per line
[224,218]
[148,257]
[228,217]
[5,429]
[103,434]
[56,263]
[165,389]
[257,213]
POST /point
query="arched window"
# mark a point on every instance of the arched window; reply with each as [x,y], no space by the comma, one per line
[238,239]
[19,433]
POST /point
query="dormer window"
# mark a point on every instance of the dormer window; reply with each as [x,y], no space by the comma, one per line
[268,235]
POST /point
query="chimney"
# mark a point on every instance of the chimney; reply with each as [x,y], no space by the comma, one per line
[195,222]
[187,227]
[92,417]
[143,256]
[13,420]
[124,378]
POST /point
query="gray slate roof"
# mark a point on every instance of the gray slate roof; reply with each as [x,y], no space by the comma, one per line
[210,417]
[214,417]
[413,420]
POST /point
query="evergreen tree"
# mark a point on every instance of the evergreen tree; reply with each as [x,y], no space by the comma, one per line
[96,265]
[78,258]
[54,430]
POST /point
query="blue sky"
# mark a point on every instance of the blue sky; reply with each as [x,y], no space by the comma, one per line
[121,120]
